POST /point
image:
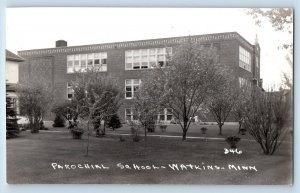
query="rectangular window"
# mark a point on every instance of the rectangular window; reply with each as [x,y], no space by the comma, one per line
[70,64]
[165,115]
[70,91]
[131,87]
[76,63]
[244,59]
[83,62]
[130,114]
[147,58]
[80,63]
[90,61]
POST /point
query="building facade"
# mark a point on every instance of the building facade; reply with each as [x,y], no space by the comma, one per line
[127,60]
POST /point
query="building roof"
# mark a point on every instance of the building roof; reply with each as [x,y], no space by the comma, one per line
[13,57]
[149,42]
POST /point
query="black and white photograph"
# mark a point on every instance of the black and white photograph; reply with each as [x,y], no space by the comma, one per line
[99,95]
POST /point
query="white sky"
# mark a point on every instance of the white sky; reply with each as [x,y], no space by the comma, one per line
[35,28]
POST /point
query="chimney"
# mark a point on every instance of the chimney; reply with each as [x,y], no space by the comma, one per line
[61,43]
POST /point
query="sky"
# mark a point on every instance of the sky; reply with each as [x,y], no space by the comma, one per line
[36,28]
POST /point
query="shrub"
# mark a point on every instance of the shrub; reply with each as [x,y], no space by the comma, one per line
[150,125]
[122,139]
[233,141]
[243,131]
[203,130]
[58,121]
[77,133]
[114,122]
[163,128]
[135,132]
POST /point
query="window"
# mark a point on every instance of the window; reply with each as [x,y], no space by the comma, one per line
[146,58]
[70,91]
[131,87]
[81,62]
[130,115]
[70,64]
[244,59]
[165,115]
[76,63]
[90,61]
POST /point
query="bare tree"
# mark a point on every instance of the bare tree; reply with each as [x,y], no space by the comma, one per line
[34,101]
[147,103]
[96,97]
[266,119]
[192,75]
[222,103]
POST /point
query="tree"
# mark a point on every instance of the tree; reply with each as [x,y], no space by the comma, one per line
[266,119]
[222,103]
[96,97]
[192,75]
[12,128]
[147,102]
[239,109]
[282,20]
[34,102]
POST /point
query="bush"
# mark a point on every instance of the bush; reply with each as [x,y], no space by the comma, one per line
[243,131]
[163,128]
[233,141]
[135,132]
[150,126]
[58,121]
[203,130]
[122,139]
[114,122]
[77,133]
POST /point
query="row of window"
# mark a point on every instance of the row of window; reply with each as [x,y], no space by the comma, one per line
[244,59]
[82,62]
[134,59]
[138,59]
[147,58]
[131,87]
[163,115]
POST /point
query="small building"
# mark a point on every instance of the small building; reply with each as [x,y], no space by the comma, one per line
[12,75]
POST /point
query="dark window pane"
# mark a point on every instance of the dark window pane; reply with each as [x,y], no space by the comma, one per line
[169,117]
[162,117]
[96,61]
[128,94]
[103,61]
[161,63]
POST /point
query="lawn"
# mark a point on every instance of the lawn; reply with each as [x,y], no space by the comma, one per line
[31,157]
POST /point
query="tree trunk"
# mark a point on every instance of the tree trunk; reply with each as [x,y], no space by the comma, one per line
[220,128]
[240,126]
[88,140]
[145,136]
[184,134]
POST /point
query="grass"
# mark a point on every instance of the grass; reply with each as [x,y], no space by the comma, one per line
[29,159]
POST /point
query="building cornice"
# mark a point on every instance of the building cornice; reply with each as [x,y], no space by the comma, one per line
[138,43]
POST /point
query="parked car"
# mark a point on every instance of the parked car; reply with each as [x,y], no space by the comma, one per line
[23,123]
